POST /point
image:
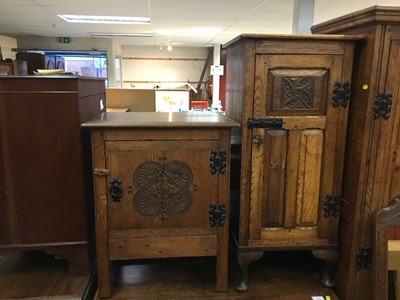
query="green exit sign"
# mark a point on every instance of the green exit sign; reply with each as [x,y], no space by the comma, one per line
[65,40]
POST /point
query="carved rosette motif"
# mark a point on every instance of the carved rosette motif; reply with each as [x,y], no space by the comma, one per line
[162,188]
[297,92]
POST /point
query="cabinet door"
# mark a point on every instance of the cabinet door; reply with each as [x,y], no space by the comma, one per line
[388,153]
[294,169]
[165,184]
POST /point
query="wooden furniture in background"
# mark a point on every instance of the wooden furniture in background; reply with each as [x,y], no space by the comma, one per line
[386,252]
[372,163]
[394,263]
[34,60]
[6,67]
[161,188]
[290,94]
[43,198]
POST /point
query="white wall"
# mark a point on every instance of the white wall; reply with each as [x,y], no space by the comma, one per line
[6,44]
[146,67]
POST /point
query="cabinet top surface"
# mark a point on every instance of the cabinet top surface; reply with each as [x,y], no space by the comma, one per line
[294,37]
[373,15]
[161,120]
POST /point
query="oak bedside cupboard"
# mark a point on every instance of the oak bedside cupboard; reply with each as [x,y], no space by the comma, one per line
[291,95]
[161,188]
[43,197]
[372,165]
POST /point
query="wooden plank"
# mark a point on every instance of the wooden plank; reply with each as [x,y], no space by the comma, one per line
[160,134]
[162,247]
[292,233]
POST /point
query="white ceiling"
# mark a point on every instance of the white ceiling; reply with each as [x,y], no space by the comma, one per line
[220,20]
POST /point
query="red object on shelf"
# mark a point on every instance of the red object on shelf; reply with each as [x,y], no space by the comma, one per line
[199,105]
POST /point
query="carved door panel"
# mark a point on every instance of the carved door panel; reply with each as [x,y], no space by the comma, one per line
[296,165]
[163,184]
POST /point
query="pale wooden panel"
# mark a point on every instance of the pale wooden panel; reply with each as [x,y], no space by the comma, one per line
[161,247]
[143,233]
[309,176]
[294,233]
[274,178]
[257,174]
[296,46]
[160,134]
[292,170]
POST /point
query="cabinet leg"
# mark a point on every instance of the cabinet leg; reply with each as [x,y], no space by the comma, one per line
[76,255]
[328,261]
[244,260]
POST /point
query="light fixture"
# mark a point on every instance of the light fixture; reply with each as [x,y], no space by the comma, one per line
[105,19]
[169,48]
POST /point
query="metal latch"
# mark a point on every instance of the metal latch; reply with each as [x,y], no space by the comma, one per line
[265,123]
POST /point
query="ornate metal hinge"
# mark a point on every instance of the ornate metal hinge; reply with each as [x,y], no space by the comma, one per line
[218,161]
[341,94]
[332,205]
[216,214]
[383,105]
[363,258]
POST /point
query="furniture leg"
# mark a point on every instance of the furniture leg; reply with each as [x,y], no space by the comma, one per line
[244,260]
[327,260]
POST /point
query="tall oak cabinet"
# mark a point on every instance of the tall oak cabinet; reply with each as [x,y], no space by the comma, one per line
[291,95]
[372,165]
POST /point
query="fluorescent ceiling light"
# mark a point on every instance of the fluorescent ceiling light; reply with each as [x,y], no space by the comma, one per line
[117,34]
[105,19]
[188,32]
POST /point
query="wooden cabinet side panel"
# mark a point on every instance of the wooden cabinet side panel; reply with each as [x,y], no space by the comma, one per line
[239,106]
[5,226]
[45,163]
[101,214]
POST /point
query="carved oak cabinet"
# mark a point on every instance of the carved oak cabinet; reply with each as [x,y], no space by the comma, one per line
[161,188]
[372,164]
[291,96]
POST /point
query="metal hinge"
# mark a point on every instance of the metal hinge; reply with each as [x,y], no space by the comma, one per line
[101,172]
[383,105]
[265,123]
[216,214]
[363,258]
[341,94]
[218,159]
[332,205]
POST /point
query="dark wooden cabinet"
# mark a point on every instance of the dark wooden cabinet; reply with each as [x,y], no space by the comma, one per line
[372,164]
[291,96]
[34,60]
[161,188]
[43,198]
